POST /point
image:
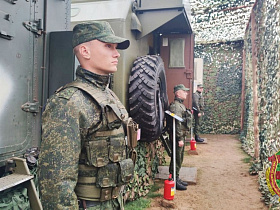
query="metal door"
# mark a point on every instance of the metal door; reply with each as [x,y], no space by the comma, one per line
[181,70]
[19,76]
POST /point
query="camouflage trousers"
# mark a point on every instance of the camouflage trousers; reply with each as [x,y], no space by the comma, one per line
[179,159]
[197,121]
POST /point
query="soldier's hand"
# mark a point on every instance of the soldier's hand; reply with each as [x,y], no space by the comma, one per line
[181,143]
[199,114]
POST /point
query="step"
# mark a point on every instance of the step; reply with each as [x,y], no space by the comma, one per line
[12,180]
[187,174]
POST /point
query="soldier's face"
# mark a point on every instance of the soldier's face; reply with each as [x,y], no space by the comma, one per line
[103,57]
[200,89]
[182,94]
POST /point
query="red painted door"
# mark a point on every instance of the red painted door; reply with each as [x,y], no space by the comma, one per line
[177,52]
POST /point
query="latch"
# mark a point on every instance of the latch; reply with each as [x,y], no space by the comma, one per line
[12,1]
[35,27]
[5,35]
[31,107]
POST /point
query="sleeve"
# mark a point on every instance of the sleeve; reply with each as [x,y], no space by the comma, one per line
[195,103]
[179,131]
[202,103]
[187,119]
[59,157]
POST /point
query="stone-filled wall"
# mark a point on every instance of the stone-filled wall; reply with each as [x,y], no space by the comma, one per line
[267,17]
[222,86]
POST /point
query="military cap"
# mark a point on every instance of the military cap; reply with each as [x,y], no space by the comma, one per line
[100,30]
[200,85]
[180,87]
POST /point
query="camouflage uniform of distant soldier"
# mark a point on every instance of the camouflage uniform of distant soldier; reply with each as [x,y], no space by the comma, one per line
[177,107]
[83,161]
[198,108]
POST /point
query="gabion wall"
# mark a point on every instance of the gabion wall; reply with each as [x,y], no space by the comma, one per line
[222,86]
[268,84]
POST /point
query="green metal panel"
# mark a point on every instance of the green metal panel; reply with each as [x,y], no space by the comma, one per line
[16,70]
[22,66]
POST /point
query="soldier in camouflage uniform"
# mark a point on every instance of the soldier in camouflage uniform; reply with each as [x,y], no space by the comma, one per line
[83,162]
[177,107]
[198,107]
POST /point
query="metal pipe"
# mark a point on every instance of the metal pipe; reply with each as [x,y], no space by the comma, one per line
[44,53]
[174,154]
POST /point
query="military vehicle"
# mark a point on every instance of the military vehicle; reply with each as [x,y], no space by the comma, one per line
[37,58]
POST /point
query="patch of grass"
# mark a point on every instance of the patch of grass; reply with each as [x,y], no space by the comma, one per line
[247,160]
[155,188]
[139,204]
[154,195]
[145,202]
[153,192]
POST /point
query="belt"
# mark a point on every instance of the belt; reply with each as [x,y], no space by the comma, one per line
[84,204]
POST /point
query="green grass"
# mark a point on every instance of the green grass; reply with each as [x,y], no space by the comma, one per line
[247,160]
[153,192]
[139,204]
[144,202]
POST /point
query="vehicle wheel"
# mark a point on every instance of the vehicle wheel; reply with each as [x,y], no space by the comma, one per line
[148,96]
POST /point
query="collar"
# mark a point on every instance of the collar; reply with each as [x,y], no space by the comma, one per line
[100,81]
[179,100]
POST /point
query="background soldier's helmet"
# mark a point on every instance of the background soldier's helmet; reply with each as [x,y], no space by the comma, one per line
[180,87]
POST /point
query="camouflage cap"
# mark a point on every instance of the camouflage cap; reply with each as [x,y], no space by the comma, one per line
[100,30]
[200,85]
[180,87]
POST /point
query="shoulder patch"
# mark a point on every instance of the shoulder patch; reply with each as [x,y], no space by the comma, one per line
[67,92]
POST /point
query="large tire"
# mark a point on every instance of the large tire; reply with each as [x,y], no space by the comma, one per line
[148,96]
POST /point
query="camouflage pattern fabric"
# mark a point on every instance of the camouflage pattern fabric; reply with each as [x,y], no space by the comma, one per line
[67,115]
[100,30]
[198,102]
[198,107]
[178,108]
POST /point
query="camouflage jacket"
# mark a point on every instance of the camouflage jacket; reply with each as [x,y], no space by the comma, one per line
[177,107]
[67,114]
[198,102]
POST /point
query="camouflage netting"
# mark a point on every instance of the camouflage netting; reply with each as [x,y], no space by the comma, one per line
[268,90]
[220,20]
[222,86]
[149,157]
[219,28]
[225,21]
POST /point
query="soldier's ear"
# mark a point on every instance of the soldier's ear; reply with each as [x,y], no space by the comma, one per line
[84,51]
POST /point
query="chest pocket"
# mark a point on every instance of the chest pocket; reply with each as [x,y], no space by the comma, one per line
[114,116]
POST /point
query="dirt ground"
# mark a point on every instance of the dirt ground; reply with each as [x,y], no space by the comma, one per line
[223,180]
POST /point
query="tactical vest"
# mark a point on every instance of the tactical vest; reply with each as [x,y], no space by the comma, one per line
[103,166]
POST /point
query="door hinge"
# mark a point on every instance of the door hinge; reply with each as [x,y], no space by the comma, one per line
[35,27]
[31,107]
